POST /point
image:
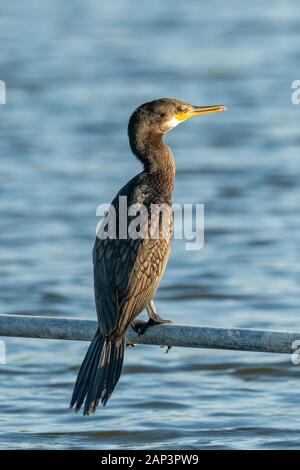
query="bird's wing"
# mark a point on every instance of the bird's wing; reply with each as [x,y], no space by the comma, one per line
[126,276]
[145,276]
[113,261]
[127,273]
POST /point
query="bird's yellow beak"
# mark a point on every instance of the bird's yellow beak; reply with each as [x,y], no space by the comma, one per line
[199,110]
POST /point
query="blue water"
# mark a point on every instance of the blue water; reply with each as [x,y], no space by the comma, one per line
[74,72]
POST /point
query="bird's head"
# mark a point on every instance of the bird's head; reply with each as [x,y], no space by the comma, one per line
[164,114]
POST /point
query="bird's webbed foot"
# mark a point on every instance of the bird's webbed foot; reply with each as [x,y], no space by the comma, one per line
[156,319]
[141,327]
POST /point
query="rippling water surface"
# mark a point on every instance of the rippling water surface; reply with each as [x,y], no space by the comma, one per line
[74,72]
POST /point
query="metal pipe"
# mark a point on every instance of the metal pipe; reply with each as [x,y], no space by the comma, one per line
[240,339]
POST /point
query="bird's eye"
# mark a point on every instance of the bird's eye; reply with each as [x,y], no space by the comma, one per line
[179,109]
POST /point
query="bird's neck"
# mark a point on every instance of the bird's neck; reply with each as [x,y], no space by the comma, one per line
[156,157]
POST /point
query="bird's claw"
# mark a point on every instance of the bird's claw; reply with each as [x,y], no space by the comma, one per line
[141,328]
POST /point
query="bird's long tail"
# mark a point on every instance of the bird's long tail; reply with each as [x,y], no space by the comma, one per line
[98,374]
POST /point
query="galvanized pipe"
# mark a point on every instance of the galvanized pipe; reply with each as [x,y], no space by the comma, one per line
[240,339]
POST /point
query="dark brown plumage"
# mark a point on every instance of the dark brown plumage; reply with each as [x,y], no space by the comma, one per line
[127,272]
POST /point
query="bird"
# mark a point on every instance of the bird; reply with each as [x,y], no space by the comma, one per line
[128,270]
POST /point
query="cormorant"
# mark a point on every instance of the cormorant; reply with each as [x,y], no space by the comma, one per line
[127,271]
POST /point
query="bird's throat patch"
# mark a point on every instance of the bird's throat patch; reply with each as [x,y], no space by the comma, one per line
[182,116]
[173,122]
